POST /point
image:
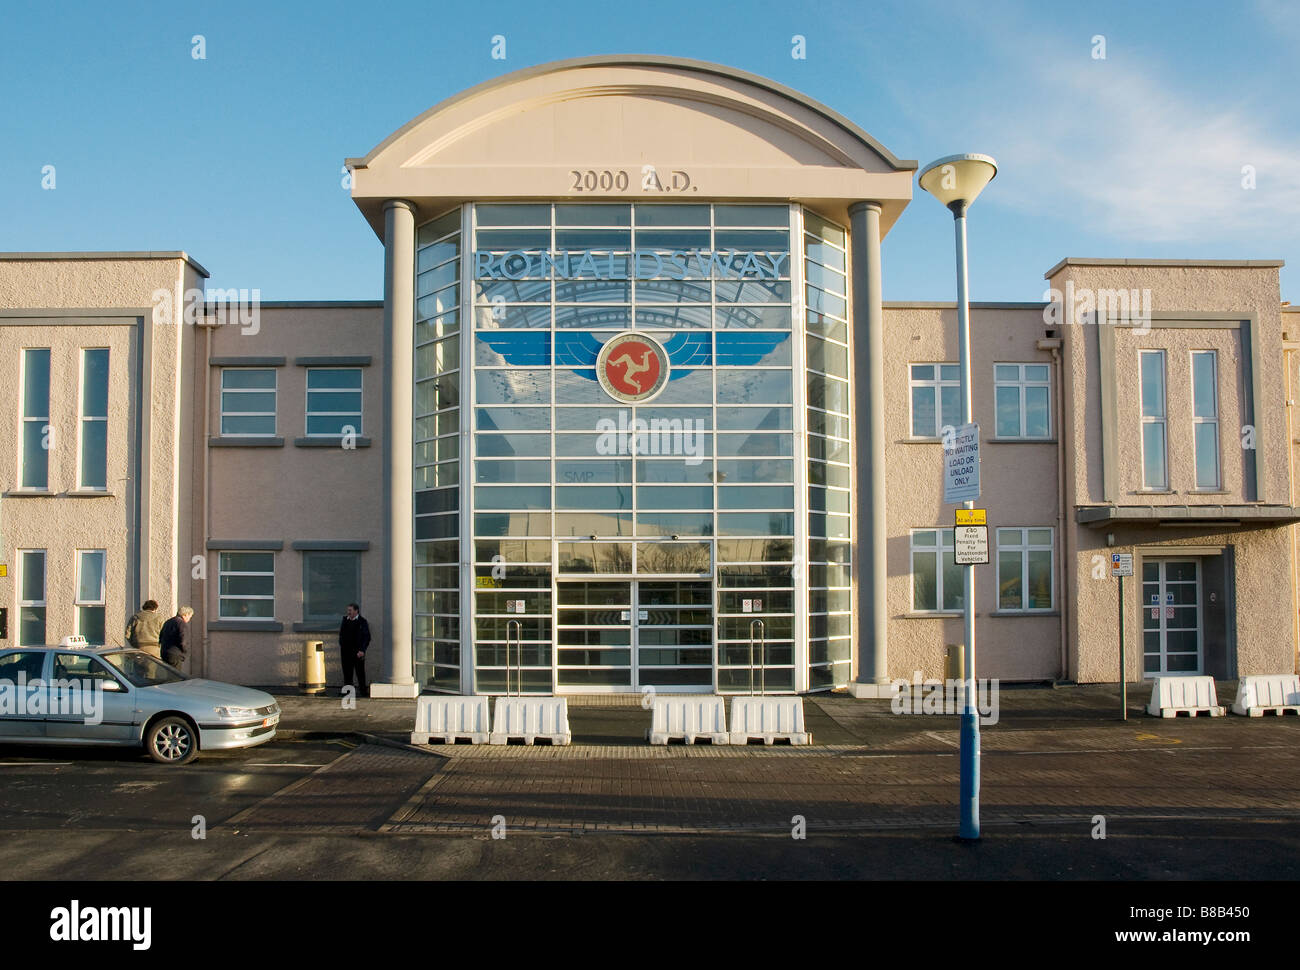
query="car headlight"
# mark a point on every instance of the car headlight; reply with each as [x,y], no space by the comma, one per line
[241,713]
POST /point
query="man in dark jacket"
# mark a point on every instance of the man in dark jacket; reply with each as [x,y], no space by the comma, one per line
[354,638]
[174,639]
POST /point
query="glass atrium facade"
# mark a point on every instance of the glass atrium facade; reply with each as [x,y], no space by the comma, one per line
[669,512]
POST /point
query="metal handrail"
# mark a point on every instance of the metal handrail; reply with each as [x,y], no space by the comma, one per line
[519,671]
[762,657]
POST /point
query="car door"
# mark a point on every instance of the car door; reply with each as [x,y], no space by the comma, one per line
[23,695]
[87,702]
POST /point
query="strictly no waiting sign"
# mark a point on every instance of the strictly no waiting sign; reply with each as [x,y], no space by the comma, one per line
[961,465]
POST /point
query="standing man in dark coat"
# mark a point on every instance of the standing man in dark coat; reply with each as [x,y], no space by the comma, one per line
[174,638]
[354,638]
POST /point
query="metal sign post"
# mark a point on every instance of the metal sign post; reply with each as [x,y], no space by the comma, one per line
[1121,565]
[1123,666]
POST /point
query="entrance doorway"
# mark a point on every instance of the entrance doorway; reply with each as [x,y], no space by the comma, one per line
[1172,623]
[618,636]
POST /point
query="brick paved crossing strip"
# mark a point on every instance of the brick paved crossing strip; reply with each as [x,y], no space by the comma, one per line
[360,790]
[691,790]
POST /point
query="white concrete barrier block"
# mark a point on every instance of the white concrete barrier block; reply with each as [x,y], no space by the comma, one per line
[769,718]
[1258,693]
[531,718]
[689,717]
[1174,695]
[447,718]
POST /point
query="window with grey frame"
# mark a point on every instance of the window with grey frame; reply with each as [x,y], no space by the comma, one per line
[333,401]
[331,579]
[247,402]
[93,452]
[90,600]
[31,597]
[1205,418]
[1155,455]
[246,586]
[36,419]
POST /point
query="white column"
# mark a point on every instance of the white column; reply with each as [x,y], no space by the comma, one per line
[399,511]
[868,319]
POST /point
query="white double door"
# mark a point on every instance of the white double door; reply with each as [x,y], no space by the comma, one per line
[1173,621]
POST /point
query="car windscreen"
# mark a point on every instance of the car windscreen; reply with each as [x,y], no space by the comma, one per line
[142,669]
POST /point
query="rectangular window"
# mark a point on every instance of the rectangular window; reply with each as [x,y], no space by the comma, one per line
[90,595]
[937,582]
[936,398]
[31,597]
[246,586]
[333,401]
[36,418]
[93,452]
[1155,459]
[1024,569]
[330,581]
[1205,417]
[247,402]
[1022,394]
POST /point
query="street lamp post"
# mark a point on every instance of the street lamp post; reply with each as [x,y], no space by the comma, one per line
[955,181]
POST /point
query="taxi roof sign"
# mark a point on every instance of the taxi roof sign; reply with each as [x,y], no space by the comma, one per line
[75,642]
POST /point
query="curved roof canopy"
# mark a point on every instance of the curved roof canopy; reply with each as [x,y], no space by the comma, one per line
[630,128]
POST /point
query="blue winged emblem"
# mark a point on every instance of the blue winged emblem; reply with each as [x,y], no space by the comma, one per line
[578,349]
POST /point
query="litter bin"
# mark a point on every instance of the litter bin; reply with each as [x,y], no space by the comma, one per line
[311,675]
[954,662]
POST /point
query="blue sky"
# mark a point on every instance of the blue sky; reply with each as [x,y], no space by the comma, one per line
[236,158]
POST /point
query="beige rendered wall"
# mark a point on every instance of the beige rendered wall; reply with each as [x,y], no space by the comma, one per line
[62,523]
[1291,357]
[1235,292]
[294,493]
[1018,482]
[1265,622]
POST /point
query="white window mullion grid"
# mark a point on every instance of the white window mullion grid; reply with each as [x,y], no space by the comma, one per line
[223,572]
[25,558]
[234,389]
[1154,422]
[468,403]
[1022,546]
[86,419]
[432,307]
[799,378]
[935,386]
[86,600]
[41,421]
[1205,422]
[943,543]
[1022,381]
[355,416]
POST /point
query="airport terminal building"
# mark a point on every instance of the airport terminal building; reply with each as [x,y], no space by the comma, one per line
[634,412]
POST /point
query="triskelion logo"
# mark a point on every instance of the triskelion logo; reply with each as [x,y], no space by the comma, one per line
[632,368]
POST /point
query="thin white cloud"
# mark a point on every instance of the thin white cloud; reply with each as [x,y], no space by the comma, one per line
[1117,148]
[1128,154]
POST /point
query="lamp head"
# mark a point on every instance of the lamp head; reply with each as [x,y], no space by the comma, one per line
[956,180]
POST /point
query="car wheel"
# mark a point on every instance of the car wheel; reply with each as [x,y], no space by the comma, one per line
[172,741]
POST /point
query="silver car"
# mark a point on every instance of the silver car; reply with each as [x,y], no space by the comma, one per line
[76,694]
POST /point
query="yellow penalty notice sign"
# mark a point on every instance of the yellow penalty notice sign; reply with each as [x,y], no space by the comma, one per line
[972,517]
